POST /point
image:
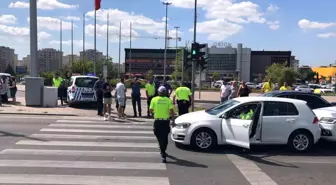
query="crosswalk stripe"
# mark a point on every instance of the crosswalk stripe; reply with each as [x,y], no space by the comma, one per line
[101,121]
[83,164]
[88,137]
[80,153]
[91,144]
[101,126]
[97,131]
[81,180]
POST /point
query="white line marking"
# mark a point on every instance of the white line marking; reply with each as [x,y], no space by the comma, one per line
[81,180]
[80,153]
[94,120]
[101,126]
[74,121]
[93,144]
[97,131]
[94,137]
[251,171]
[83,164]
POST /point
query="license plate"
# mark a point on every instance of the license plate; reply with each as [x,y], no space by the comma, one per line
[87,95]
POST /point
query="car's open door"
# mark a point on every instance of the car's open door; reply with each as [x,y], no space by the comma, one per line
[236,132]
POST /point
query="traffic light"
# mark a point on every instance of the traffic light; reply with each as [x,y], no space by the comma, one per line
[186,59]
[202,57]
[194,51]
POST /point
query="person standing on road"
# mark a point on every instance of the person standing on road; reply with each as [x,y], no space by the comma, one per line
[65,84]
[13,88]
[233,91]
[98,87]
[150,92]
[121,98]
[285,87]
[57,81]
[163,110]
[243,90]
[136,96]
[268,86]
[225,91]
[183,95]
[107,100]
[169,89]
[2,87]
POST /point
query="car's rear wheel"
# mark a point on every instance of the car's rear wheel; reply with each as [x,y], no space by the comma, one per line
[300,141]
[203,139]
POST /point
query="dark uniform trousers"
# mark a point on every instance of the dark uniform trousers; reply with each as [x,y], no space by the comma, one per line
[149,99]
[183,106]
[100,106]
[161,131]
[136,100]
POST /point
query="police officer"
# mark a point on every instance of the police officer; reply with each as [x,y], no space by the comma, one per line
[163,110]
[183,95]
[57,81]
[150,92]
[98,87]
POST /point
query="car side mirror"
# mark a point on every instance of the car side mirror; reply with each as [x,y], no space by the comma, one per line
[224,116]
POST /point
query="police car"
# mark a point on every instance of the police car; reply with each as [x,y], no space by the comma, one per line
[81,90]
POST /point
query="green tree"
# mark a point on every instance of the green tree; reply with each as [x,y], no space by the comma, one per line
[279,73]
[307,74]
[215,76]
[177,74]
[9,69]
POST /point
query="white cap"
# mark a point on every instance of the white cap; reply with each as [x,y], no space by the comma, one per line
[162,89]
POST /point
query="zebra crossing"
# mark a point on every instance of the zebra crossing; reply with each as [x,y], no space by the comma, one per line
[85,152]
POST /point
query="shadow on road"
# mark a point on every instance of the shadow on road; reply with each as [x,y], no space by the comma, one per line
[185,163]
[10,134]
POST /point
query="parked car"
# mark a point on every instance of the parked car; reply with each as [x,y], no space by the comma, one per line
[81,90]
[304,88]
[274,121]
[325,111]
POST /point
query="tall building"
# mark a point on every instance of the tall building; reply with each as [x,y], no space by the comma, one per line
[67,59]
[294,63]
[48,59]
[7,56]
[26,62]
[231,63]
[88,55]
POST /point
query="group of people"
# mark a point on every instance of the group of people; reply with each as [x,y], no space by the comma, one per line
[230,91]
[5,84]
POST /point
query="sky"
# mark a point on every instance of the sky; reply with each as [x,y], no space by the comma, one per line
[306,27]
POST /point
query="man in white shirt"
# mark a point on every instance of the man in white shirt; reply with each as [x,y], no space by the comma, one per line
[121,98]
[225,92]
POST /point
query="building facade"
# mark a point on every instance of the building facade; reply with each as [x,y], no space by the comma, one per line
[294,62]
[48,59]
[261,60]
[89,54]
[68,58]
[139,61]
[7,56]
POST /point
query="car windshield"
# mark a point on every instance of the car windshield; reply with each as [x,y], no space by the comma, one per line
[85,82]
[222,107]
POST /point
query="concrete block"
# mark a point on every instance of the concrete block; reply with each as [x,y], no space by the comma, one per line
[34,91]
[50,97]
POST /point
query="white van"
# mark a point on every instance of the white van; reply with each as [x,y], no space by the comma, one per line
[81,90]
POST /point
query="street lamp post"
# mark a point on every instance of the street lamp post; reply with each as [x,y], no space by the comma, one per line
[177,27]
[165,50]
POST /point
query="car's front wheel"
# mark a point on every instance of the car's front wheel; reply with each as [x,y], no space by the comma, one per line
[203,139]
[300,141]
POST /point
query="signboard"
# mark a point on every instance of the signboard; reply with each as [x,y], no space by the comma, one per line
[222,44]
[21,70]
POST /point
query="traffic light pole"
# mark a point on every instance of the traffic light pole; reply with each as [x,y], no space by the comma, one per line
[193,63]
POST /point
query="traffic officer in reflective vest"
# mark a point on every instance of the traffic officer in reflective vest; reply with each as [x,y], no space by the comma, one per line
[183,95]
[150,92]
[163,110]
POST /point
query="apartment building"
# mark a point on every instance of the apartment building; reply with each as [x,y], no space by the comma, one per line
[7,56]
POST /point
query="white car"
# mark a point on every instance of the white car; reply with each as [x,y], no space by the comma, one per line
[274,121]
[81,89]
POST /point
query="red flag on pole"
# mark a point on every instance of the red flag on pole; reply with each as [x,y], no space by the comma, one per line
[97,4]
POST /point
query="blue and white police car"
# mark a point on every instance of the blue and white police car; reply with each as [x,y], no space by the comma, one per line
[81,90]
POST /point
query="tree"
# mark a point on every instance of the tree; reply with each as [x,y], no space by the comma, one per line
[307,74]
[279,73]
[215,76]
[177,74]
[9,69]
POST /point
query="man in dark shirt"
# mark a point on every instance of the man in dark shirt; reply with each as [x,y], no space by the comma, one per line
[98,87]
[136,96]
[107,99]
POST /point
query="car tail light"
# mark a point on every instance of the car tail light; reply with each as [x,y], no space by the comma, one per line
[73,89]
[315,120]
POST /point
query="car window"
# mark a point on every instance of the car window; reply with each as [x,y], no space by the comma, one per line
[286,96]
[222,107]
[280,109]
[237,113]
[314,102]
[85,82]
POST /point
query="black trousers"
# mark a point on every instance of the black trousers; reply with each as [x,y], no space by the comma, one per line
[136,100]
[183,107]
[100,106]
[149,99]
[161,132]
[61,94]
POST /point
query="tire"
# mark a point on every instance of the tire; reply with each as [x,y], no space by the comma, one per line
[209,143]
[303,136]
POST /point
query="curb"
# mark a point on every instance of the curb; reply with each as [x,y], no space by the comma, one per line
[35,114]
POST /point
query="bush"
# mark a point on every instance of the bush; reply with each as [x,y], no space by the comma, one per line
[48,78]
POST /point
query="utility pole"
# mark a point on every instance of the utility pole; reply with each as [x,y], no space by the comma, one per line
[130,52]
[177,27]
[33,38]
[119,50]
[72,55]
[165,50]
[193,63]
[61,59]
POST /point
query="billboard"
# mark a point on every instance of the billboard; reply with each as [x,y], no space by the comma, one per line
[21,70]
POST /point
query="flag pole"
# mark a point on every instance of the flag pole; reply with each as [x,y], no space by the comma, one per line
[119,50]
[107,36]
[83,62]
[61,65]
[72,54]
[95,42]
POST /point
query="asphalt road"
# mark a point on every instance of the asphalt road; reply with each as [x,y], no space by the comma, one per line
[82,150]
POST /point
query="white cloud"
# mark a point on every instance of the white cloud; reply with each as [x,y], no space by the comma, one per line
[113,32]
[274,25]
[164,18]
[218,29]
[43,4]
[171,33]
[306,24]
[7,19]
[70,18]
[51,23]
[272,8]
[21,32]
[77,43]
[139,22]
[326,35]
